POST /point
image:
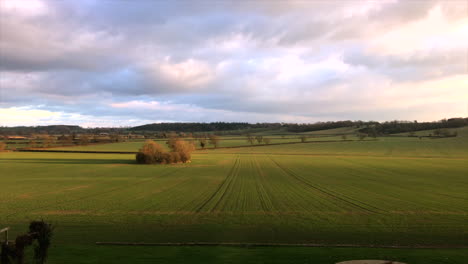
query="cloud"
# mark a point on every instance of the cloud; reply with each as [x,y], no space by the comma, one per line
[121,62]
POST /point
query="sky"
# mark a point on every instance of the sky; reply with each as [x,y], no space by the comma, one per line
[125,63]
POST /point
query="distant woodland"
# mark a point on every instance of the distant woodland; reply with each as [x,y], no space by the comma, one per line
[368,127]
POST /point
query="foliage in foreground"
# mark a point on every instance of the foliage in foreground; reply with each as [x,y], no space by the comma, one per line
[39,231]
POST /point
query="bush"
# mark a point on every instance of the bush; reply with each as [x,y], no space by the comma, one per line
[175,157]
[150,153]
[153,153]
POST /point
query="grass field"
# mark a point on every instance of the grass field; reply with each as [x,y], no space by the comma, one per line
[224,142]
[393,192]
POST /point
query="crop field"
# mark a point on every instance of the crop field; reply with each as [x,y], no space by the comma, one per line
[224,142]
[382,147]
[389,192]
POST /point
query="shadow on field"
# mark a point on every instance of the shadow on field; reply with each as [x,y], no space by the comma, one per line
[73,161]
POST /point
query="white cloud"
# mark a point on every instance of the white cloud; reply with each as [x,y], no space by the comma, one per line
[25,8]
[189,73]
[94,62]
[435,31]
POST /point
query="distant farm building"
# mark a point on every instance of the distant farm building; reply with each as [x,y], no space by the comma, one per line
[17,138]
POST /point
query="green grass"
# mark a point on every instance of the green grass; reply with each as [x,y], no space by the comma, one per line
[383,146]
[463,132]
[334,131]
[252,255]
[394,191]
[224,142]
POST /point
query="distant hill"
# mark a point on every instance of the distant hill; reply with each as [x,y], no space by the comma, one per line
[395,127]
[55,129]
[369,127]
[203,127]
[52,129]
[341,127]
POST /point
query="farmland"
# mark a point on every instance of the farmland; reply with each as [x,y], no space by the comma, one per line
[224,142]
[393,191]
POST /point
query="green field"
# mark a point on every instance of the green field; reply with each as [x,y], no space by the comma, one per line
[395,191]
[223,143]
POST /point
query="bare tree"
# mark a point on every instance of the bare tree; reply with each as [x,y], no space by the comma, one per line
[250,139]
[267,141]
[202,142]
[303,138]
[259,139]
[214,140]
[84,139]
[47,141]
[362,136]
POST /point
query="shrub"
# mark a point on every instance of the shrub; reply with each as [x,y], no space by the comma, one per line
[175,157]
[153,153]
[150,153]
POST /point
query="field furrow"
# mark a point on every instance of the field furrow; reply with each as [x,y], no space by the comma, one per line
[217,196]
[322,190]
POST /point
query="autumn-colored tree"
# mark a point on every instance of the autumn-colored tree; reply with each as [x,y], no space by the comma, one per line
[2,146]
[184,150]
[150,153]
[153,153]
[171,141]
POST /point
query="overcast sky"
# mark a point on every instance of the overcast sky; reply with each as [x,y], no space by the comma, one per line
[125,63]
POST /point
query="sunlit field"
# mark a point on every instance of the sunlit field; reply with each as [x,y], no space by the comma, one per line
[392,191]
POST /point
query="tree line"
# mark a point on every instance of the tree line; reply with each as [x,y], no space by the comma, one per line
[202,127]
[394,127]
[224,128]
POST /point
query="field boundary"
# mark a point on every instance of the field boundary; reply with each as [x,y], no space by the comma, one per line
[76,151]
[233,244]
[199,151]
[212,148]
